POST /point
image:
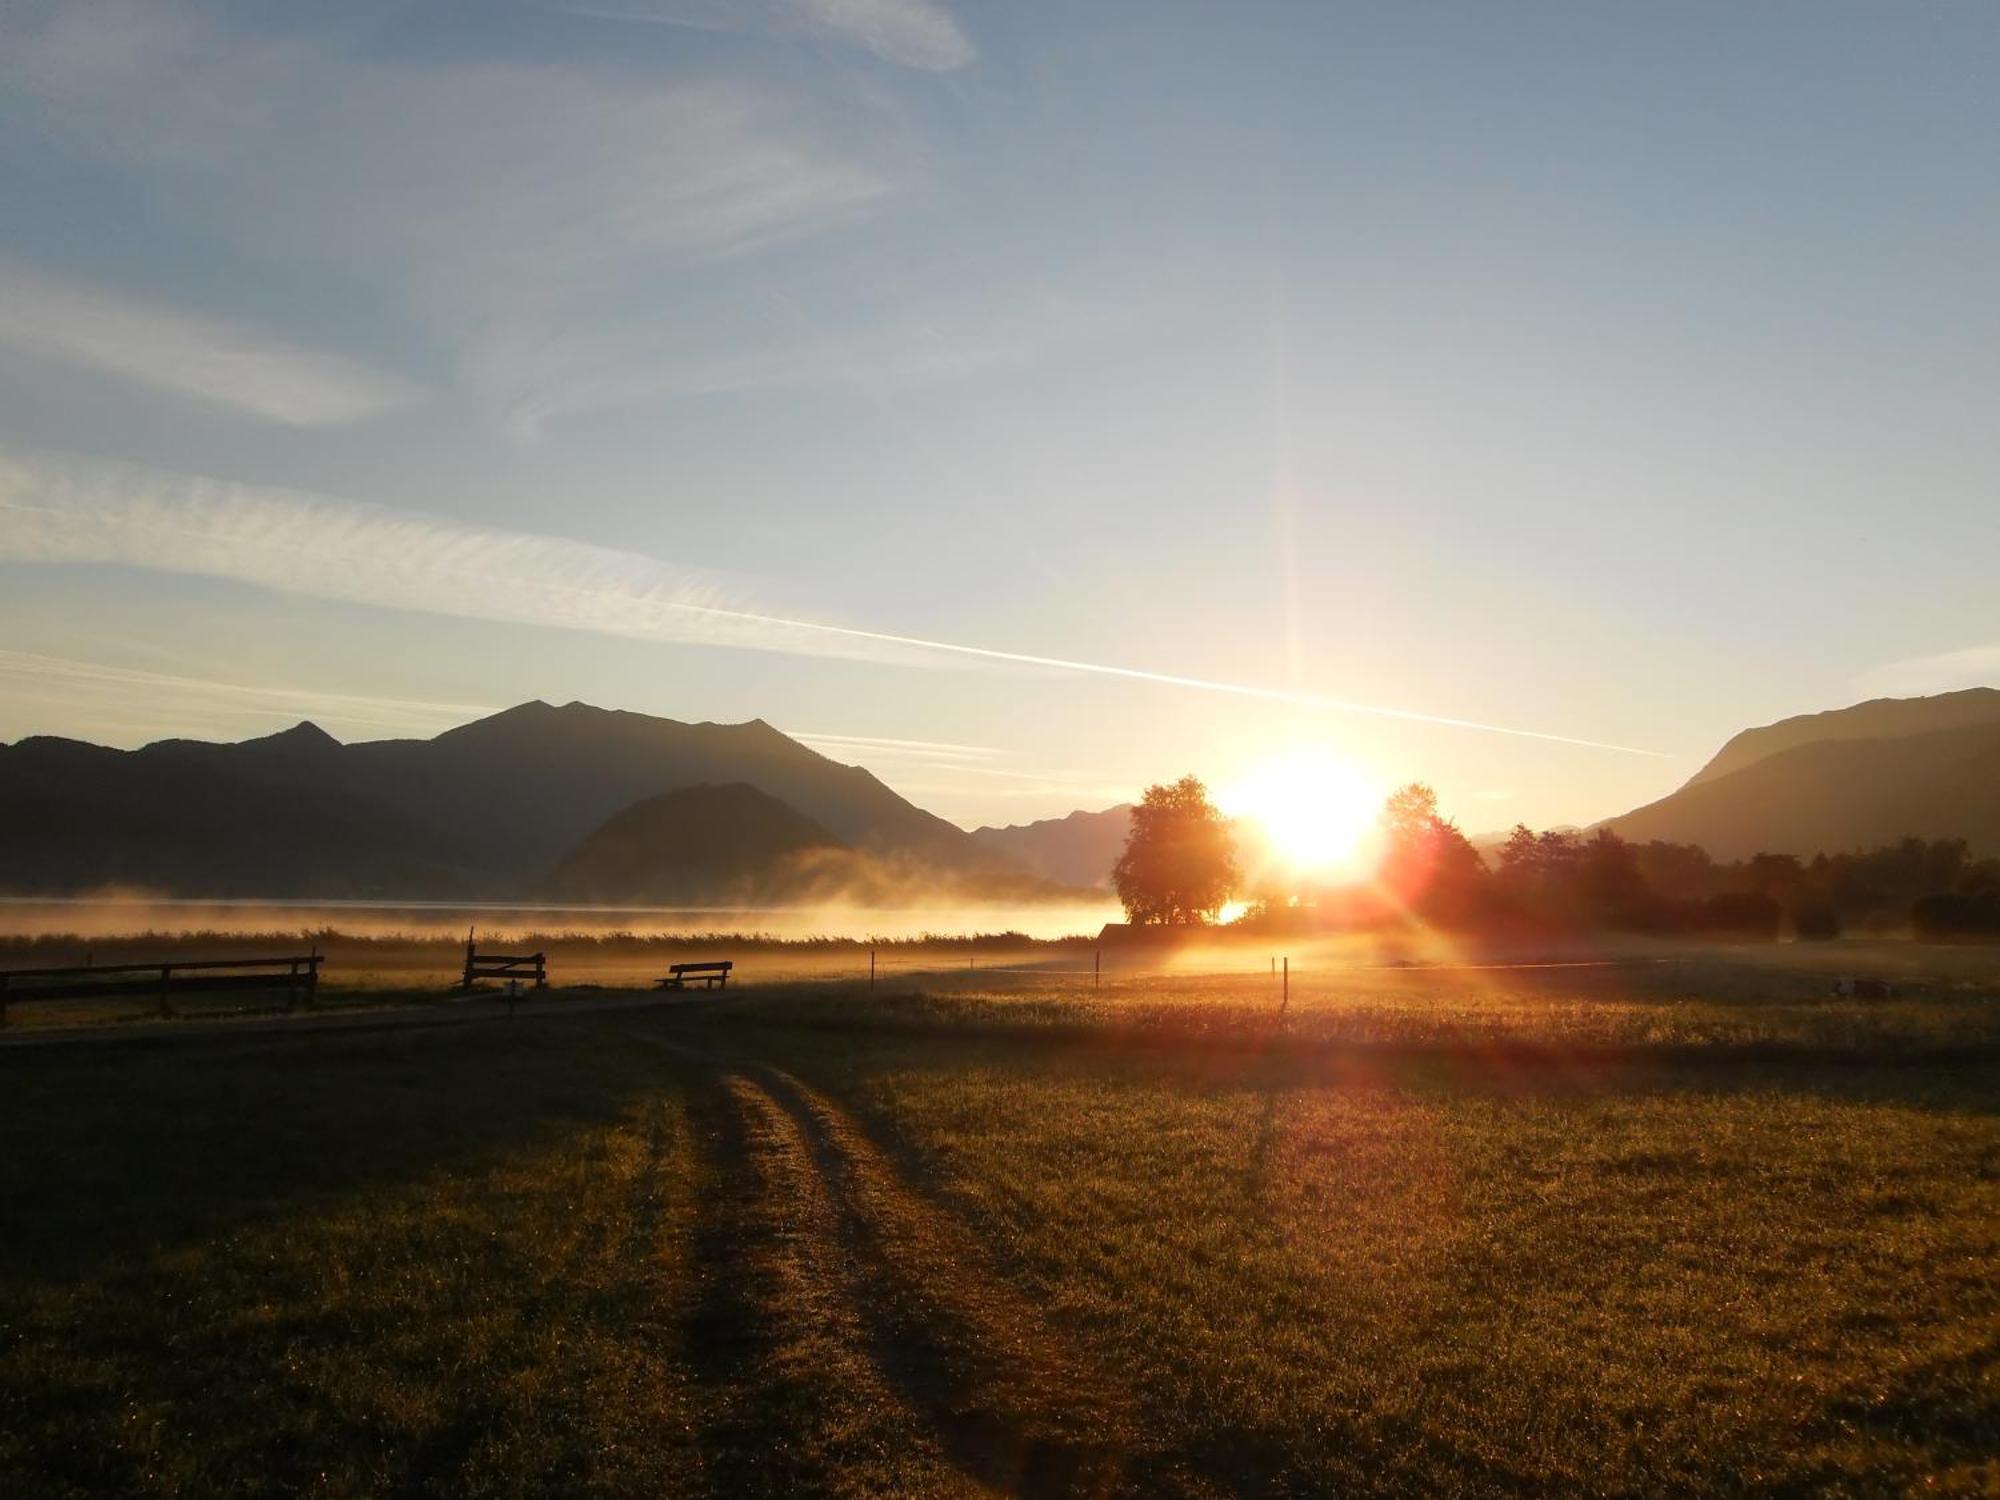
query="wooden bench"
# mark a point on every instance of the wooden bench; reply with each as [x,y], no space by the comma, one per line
[713,976]
[297,975]
[513,966]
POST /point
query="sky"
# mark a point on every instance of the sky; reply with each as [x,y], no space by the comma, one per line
[1026,401]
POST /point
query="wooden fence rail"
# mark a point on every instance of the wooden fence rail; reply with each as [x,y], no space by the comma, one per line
[296,974]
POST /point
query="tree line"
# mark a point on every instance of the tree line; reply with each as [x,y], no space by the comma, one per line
[1180,867]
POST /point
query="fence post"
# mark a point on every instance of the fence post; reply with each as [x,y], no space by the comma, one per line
[3,1002]
[1096,965]
[871,968]
[1286,1003]
[166,970]
[466,982]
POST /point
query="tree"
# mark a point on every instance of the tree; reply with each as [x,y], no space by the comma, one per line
[1427,863]
[1521,857]
[1678,872]
[1179,863]
[1611,880]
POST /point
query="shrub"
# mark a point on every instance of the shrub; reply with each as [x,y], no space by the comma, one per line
[1957,914]
[1747,914]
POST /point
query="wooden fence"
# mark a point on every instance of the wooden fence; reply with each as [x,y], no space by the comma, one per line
[297,975]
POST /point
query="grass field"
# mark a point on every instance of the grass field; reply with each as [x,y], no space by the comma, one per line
[1610,1231]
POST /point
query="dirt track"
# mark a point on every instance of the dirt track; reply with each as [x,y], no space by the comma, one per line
[834,1291]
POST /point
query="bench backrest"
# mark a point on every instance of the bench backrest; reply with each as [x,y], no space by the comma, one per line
[711,968]
[479,965]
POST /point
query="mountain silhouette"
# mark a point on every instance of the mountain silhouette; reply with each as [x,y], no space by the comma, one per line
[730,844]
[1077,850]
[484,810]
[1877,719]
[77,816]
[1849,779]
[530,782]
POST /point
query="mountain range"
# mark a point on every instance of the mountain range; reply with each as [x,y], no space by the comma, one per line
[487,810]
[593,804]
[1077,850]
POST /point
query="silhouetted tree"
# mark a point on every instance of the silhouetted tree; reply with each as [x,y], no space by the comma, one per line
[1428,865]
[1609,874]
[1520,856]
[1778,876]
[1677,871]
[1557,851]
[1179,864]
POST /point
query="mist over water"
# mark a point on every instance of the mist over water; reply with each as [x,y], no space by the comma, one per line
[123,914]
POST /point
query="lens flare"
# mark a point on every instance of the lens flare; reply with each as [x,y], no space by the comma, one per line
[1313,809]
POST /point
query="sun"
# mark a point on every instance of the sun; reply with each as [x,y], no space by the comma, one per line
[1313,809]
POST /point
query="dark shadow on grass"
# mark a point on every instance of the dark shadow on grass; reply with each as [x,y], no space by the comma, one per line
[110,1155]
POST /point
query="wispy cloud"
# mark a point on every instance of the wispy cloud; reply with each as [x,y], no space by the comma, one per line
[68,508]
[87,510]
[1941,672]
[469,177]
[202,359]
[869,744]
[533,375]
[166,702]
[909,33]
[545,200]
[1076,794]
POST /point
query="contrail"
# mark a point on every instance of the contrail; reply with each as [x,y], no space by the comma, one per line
[86,510]
[1168,679]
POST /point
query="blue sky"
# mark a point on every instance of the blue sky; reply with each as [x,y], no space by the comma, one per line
[1620,373]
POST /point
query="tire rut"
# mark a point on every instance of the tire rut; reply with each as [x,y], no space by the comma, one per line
[795,1399]
[879,1267]
[1012,1401]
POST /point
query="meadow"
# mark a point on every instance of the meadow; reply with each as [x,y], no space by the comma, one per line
[1671,1223]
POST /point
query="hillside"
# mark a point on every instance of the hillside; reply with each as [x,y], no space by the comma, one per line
[1877,719]
[1838,793]
[487,809]
[700,845]
[1077,850]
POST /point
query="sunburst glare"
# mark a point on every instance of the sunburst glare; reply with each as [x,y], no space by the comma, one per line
[1312,808]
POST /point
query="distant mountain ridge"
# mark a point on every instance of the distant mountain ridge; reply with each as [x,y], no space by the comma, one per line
[1878,718]
[1853,778]
[736,845]
[732,844]
[485,810]
[1077,850]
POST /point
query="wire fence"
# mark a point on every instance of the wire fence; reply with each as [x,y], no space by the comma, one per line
[1278,970]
